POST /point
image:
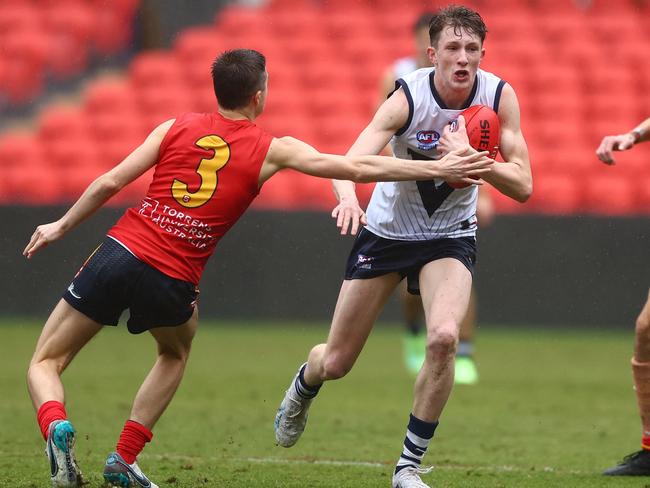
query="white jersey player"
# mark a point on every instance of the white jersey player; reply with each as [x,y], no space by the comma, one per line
[406,237]
[428,210]
[414,337]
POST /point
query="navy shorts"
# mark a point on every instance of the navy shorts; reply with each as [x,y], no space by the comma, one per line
[373,256]
[113,279]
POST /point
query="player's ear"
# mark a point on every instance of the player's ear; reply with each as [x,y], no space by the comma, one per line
[257,98]
[431,53]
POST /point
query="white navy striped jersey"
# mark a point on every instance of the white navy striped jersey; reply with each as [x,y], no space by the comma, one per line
[422,210]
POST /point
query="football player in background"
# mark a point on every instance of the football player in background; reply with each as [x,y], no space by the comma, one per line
[421,230]
[209,168]
[414,343]
[637,463]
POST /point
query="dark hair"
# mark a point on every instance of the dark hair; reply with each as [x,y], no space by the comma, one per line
[237,75]
[459,18]
[424,20]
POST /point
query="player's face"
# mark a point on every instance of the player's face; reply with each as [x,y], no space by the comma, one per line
[456,57]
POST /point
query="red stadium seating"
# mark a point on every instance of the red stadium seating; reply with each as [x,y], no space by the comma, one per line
[48,39]
[281,192]
[579,74]
[68,32]
[643,191]
[609,194]
[62,123]
[240,21]
[200,43]
[113,24]
[158,104]
[18,18]
[16,150]
[155,69]
[556,194]
[24,61]
[25,174]
[290,24]
[109,96]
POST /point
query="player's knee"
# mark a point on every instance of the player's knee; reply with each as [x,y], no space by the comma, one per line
[177,352]
[442,344]
[336,366]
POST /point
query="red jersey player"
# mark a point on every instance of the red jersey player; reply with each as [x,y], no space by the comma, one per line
[208,169]
[637,463]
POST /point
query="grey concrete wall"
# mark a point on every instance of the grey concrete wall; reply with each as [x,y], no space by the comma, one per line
[578,271]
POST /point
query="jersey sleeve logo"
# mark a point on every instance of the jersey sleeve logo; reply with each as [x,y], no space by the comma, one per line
[207,171]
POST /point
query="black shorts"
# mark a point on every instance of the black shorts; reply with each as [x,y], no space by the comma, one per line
[373,256]
[113,279]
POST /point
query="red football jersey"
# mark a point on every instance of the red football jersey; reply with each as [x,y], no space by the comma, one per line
[205,178]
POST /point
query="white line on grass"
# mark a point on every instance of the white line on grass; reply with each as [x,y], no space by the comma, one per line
[366,464]
[363,464]
[326,462]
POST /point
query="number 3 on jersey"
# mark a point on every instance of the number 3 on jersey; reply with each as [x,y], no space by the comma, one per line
[207,171]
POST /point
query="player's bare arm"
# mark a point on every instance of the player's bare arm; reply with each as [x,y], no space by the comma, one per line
[513,177]
[287,152]
[623,142]
[100,190]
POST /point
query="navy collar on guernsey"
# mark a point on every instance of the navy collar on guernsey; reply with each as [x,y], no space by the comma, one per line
[441,102]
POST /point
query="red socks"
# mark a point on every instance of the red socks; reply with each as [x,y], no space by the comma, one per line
[48,413]
[132,440]
[645,442]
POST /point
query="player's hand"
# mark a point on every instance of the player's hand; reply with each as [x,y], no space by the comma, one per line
[610,144]
[349,215]
[458,166]
[42,236]
[454,137]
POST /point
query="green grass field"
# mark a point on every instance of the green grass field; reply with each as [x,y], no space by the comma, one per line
[553,408]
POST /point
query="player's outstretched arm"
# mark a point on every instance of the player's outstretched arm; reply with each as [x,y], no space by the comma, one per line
[100,190]
[622,142]
[514,177]
[288,152]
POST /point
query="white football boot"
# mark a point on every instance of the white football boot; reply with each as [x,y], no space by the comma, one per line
[291,418]
[64,472]
[410,478]
[119,473]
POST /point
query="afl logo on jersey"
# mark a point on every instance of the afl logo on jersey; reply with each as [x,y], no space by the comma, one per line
[427,139]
